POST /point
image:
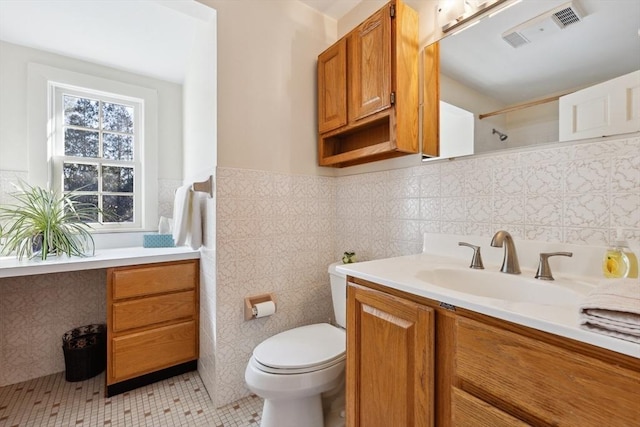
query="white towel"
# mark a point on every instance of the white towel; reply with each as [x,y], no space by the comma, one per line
[195,230]
[613,308]
[181,214]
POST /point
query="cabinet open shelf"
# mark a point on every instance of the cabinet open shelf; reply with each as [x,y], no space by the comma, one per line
[365,143]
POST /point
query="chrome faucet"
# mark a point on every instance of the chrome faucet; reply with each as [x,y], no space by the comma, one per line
[476,261]
[544,270]
[510,262]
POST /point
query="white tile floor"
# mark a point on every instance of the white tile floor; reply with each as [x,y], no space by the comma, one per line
[178,401]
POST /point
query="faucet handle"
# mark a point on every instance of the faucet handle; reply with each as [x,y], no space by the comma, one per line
[544,270]
[476,260]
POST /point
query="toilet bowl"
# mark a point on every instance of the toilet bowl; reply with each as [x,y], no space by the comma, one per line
[293,369]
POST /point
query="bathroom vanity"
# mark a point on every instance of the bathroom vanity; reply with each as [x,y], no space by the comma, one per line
[438,358]
[152,308]
[152,323]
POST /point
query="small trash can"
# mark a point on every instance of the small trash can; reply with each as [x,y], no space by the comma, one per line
[85,352]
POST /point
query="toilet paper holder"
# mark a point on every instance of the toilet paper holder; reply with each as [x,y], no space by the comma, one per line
[250,302]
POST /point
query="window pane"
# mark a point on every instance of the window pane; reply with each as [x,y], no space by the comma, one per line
[80,177]
[80,143]
[81,112]
[117,117]
[117,179]
[118,147]
[117,208]
[89,199]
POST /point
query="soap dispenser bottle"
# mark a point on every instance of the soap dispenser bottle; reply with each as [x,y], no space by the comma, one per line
[631,256]
[615,263]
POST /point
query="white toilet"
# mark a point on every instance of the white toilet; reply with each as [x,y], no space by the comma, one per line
[292,370]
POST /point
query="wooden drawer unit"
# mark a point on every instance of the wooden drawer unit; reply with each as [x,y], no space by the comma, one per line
[141,312]
[128,282]
[153,349]
[469,411]
[542,383]
[152,323]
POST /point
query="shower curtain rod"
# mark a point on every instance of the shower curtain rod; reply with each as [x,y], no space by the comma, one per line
[522,106]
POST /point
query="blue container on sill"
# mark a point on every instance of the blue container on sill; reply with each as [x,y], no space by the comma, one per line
[158,241]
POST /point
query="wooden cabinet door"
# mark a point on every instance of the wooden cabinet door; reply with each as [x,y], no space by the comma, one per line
[389,361]
[370,66]
[332,87]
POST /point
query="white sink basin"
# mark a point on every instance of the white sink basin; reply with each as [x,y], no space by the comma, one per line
[507,287]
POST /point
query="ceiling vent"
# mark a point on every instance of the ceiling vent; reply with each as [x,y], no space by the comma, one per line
[566,16]
[547,23]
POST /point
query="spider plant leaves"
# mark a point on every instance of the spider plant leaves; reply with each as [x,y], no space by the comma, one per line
[46,222]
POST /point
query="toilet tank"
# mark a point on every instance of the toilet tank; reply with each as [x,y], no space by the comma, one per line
[338,294]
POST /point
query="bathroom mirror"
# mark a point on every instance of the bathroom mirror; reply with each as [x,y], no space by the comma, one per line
[522,58]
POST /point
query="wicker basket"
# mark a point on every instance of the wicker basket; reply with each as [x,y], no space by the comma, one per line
[85,352]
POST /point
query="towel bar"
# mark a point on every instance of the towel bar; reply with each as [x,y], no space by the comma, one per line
[204,186]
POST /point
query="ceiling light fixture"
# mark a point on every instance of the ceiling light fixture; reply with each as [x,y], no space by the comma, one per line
[454,14]
[502,9]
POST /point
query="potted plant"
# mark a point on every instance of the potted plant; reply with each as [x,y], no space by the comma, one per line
[45,222]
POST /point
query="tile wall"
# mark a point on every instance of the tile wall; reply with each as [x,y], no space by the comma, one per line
[8,180]
[34,313]
[277,233]
[274,234]
[208,299]
[574,193]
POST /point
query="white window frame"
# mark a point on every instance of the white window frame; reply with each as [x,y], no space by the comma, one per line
[57,93]
[42,81]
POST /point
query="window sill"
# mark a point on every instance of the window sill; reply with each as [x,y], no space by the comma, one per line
[105,258]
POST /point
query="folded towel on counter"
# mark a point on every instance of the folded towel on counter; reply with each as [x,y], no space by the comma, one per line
[613,308]
[182,214]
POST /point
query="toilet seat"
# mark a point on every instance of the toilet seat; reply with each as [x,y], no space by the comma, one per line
[301,350]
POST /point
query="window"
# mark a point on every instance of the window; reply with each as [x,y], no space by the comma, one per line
[98,137]
[96,152]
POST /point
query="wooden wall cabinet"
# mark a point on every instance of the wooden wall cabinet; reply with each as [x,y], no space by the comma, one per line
[152,323]
[481,371]
[368,90]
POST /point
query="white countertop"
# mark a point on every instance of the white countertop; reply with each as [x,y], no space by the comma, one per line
[402,273]
[105,258]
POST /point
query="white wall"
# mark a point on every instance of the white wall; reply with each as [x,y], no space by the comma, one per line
[13,106]
[200,160]
[267,55]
